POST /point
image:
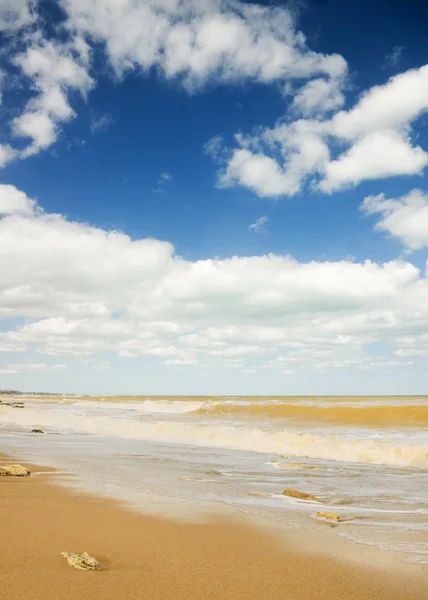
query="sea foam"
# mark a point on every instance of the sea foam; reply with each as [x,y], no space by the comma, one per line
[245,438]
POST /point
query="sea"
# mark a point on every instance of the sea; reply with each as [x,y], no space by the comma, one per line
[364,458]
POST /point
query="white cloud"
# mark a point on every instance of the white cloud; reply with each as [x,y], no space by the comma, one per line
[319,96]
[53,68]
[361,363]
[303,152]
[30,368]
[181,362]
[405,218]
[259,224]
[7,153]
[85,291]
[47,264]
[38,126]
[374,140]
[200,39]
[214,41]
[385,107]
[15,14]
[192,42]
[377,155]
[258,172]
[15,202]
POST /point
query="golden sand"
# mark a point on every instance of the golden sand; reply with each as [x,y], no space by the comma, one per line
[152,558]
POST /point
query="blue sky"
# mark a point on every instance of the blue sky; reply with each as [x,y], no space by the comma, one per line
[107,124]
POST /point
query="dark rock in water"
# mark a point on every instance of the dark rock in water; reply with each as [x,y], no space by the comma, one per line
[37,431]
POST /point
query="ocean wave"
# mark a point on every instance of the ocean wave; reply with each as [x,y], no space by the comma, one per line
[375,415]
[285,442]
[173,407]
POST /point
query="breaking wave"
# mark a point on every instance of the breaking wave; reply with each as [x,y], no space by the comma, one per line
[173,407]
[285,442]
[375,415]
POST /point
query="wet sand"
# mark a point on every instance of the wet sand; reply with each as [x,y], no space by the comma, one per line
[157,559]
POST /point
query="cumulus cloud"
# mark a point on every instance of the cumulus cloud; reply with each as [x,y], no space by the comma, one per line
[15,14]
[200,39]
[260,173]
[7,153]
[15,202]
[372,140]
[191,42]
[303,151]
[405,218]
[54,69]
[84,291]
[195,43]
[377,155]
[319,96]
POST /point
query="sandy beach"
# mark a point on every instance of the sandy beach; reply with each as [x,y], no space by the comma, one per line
[147,557]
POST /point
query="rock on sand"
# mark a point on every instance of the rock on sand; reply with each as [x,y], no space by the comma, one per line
[15,470]
[83,561]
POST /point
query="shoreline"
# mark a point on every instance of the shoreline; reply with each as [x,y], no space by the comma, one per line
[157,558]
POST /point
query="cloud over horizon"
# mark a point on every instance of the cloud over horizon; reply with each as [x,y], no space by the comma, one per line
[86,291]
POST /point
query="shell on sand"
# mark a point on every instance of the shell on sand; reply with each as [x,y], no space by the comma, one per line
[82,561]
[14,470]
[331,516]
[300,495]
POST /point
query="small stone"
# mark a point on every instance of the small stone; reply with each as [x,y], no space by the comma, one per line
[14,470]
[331,516]
[83,561]
[300,495]
[37,431]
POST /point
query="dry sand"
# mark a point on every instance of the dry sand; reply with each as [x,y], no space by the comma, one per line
[155,559]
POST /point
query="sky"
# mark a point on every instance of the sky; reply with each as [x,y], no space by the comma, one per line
[214,197]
